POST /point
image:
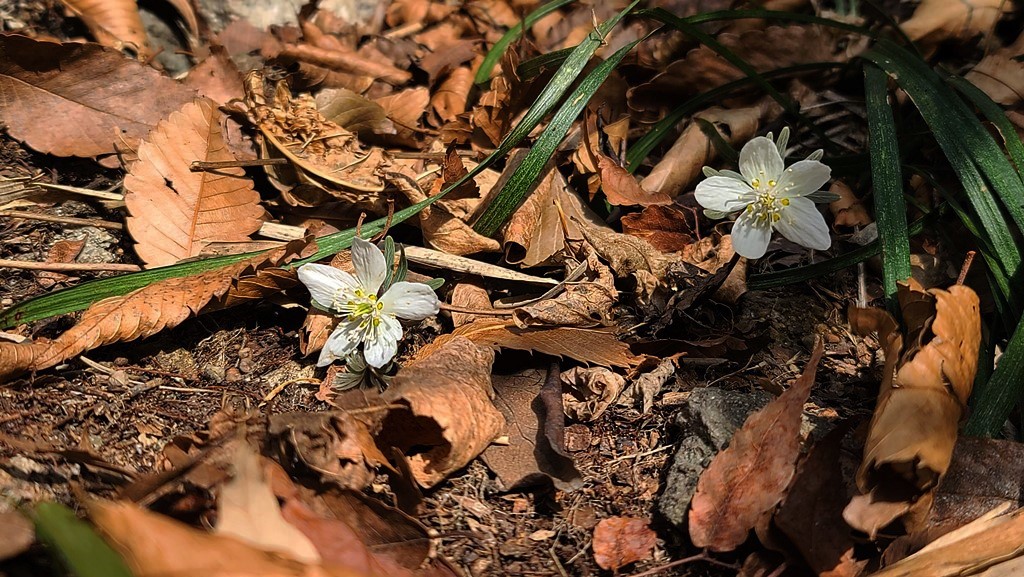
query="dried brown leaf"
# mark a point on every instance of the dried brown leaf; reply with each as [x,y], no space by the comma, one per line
[622,189]
[175,212]
[80,99]
[750,477]
[589,391]
[432,397]
[667,228]
[1001,74]
[334,444]
[143,312]
[587,303]
[353,111]
[619,541]
[248,510]
[937,20]
[450,98]
[920,402]
[848,210]
[470,295]
[531,402]
[217,77]
[406,109]
[16,534]
[599,347]
[114,23]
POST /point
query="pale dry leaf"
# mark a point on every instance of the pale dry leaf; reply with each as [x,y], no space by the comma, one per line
[80,99]
[920,403]
[430,398]
[353,111]
[247,510]
[619,541]
[621,188]
[589,391]
[470,295]
[1001,74]
[405,109]
[157,546]
[750,477]
[149,310]
[450,98]
[114,23]
[174,212]
[217,77]
[586,303]
[599,347]
[937,20]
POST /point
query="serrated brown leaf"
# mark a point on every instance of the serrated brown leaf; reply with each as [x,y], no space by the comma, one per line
[142,313]
[750,477]
[599,347]
[619,541]
[920,402]
[114,23]
[175,212]
[68,99]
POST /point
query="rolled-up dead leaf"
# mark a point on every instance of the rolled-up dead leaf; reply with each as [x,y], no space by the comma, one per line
[920,403]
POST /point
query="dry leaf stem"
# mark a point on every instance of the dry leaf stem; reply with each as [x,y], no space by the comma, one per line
[61,219]
[69,266]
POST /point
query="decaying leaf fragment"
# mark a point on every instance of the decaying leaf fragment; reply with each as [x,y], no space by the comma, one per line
[174,212]
[937,20]
[619,541]
[80,99]
[114,23]
[920,402]
[1001,74]
[750,477]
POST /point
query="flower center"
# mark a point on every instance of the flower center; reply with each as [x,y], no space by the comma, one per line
[358,306]
[767,208]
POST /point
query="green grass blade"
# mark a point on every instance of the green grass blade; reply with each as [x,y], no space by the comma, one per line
[76,543]
[483,74]
[521,181]
[83,295]
[995,114]
[534,66]
[887,178]
[994,401]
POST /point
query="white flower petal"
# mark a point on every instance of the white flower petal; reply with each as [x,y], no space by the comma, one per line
[760,159]
[382,345]
[803,224]
[368,261]
[803,178]
[750,237]
[342,342]
[724,194]
[410,300]
[324,282]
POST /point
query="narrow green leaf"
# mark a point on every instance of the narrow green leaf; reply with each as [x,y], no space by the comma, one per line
[994,401]
[483,74]
[535,66]
[890,209]
[521,181]
[76,543]
[995,114]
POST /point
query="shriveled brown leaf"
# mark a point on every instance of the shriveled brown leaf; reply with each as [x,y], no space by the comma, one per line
[619,541]
[600,347]
[937,20]
[147,311]
[450,98]
[247,510]
[1001,74]
[175,212]
[693,150]
[665,227]
[345,60]
[405,109]
[217,77]
[583,304]
[431,398]
[156,546]
[353,111]
[848,210]
[16,534]
[920,402]
[531,402]
[335,445]
[80,99]
[114,23]
[589,391]
[750,477]
[470,295]
[621,188]
[992,540]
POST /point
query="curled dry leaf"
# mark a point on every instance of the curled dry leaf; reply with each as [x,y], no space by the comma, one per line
[151,309]
[247,510]
[174,212]
[848,210]
[335,445]
[80,99]
[353,111]
[583,304]
[114,23]
[693,150]
[590,391]
[920,402]
[450,98]
[431,398]
[470,295]
[622,189]
[667,228]
[937,20]
[619,541]
[750,477]
[1001,74]
[596,346]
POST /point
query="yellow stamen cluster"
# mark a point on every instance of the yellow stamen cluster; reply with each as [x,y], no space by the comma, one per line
[767,208]
[359,306]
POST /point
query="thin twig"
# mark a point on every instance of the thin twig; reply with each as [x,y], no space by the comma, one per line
[61,219]
[472,311]
[101,194]
[202,165]
[965,267]
[70,266]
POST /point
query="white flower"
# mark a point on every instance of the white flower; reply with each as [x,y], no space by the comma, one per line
[366,318]
[771,196]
